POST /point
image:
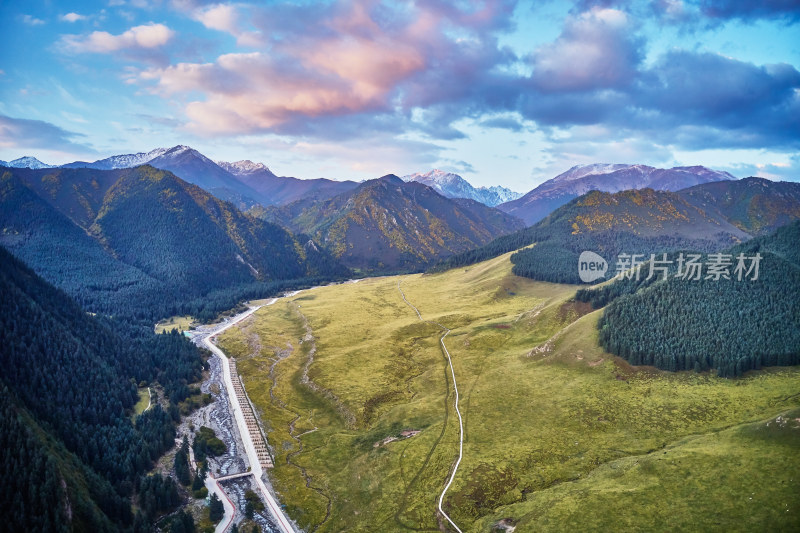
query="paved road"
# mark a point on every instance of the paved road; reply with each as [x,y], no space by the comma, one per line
[213,486]
[274,508]
[458,412]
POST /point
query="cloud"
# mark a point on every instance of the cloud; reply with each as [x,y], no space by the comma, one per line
[148,36]
[502,122]
[226,18]
[347,70]
[222,17]
[730,102]
[24,133]
[72,17]
[597,49]
[684,98]
[711,86]
[788,10]
[343,60]
[783,169]
[31,20]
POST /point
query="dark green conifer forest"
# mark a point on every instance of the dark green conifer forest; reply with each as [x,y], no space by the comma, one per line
[69,386]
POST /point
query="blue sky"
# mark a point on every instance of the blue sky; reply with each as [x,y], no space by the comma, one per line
[501,92]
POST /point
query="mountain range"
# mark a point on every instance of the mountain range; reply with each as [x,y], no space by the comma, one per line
[138,240]
[248,184]
[581,179]
[707,217]
[142,239]
[454,186]
[243,183]
[25,162]
[273,190]
[391,224]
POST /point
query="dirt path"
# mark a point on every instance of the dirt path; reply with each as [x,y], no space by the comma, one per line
[458,412]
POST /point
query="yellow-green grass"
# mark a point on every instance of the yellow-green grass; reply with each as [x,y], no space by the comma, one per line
[143,402]
[534,419]
[203,523]
[745,478]
[181,323]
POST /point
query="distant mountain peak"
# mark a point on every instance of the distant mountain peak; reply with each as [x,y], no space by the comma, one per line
[454,186]
[580,171]
[606,177]
[245,166]
[391,178]
[28,162]
[183,150]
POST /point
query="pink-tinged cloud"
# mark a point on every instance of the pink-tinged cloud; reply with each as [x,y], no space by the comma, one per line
[222,17]
[226,18]
[596,50]
[148,36]
[250,92]
[344,60]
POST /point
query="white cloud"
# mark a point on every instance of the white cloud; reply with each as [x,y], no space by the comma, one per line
[222,17]
[597,49]
[225,18]
[72,17]
[31,21]
[147,36]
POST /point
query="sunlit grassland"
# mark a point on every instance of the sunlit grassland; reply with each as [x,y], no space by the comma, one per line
[181,323]
[535,422]
[143,402]
[745,478]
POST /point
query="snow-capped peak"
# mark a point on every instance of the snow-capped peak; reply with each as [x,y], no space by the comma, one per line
[141,158]
[454,186]
[128,160]
[579,171]
[700,170]
[28,162]
[244,166]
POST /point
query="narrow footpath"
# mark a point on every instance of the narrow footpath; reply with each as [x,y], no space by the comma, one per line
[445,333]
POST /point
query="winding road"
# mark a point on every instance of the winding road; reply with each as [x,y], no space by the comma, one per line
[458,412]
[274,508]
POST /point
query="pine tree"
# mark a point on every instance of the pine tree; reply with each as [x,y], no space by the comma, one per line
[215,509]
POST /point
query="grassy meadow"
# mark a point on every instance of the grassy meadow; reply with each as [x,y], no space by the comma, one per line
[559,435]
[142,402]
[181,323]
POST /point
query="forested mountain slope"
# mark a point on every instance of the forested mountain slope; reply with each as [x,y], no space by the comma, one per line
[387,224]
[640,222]
[141,241]
[755,205]
[579,180]
[69,383]
[731,325]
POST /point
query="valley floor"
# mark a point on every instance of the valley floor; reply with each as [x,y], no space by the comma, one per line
[357,399]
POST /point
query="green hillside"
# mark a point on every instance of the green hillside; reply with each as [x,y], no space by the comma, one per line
[389,225]
[558,432]
[729,325]
[755,205]
[142,243]
[69,387]
[704,218]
